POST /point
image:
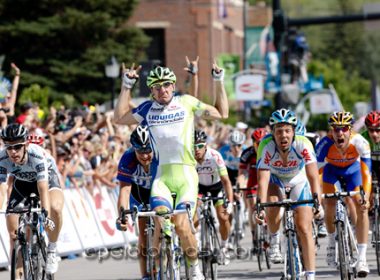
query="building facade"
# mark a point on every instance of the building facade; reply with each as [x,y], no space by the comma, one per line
[210,29]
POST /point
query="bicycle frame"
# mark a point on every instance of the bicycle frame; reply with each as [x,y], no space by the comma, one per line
[210,244]
[170,252]
[30,242]
[345,239]
[376,223]
[293,263]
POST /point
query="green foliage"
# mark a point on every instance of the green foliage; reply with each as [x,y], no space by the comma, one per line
[36,94]
[65,44]
[350,87]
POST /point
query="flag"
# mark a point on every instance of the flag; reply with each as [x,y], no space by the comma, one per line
[222,9]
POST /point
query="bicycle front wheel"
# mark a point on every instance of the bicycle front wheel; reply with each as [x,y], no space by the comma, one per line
[344,265]
[377,238]
[215,249]
[258,244]
[290,262]
[165,263]
[151,253]
[26,262]
[206,253]
[15,258]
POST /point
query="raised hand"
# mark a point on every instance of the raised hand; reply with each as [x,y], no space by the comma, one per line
[217,72]
[192,66]
[130,75]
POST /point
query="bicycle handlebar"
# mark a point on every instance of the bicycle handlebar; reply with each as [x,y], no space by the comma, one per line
[340,194]
[287,203]
[135,213]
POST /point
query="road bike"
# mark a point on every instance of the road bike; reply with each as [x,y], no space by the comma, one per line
[260,242]
[376,222]
[30,245]
[238,225]
[346,258]
[210,243]
[293,268]
[170,253]
[151,252]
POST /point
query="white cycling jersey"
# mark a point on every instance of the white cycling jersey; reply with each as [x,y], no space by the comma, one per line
[171,128]
[36,169]
[301,153]
[212,167]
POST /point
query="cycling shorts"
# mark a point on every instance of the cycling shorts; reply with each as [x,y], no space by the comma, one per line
[23,189]
[300,188]
[351,175]
[215,190]
[174,178]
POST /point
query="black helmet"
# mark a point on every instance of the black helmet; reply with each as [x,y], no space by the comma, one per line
[140,139]
[14,132]
[200,136]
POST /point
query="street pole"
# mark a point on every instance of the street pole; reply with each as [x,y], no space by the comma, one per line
[113,94]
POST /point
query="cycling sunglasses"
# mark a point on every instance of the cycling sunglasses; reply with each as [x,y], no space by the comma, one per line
[199,146]
[143,151]
[164,85]
[370,129]
[341,128]
[15,147]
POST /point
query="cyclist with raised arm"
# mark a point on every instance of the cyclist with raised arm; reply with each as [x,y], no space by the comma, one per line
[345,154]
[288,160]
[213,178]
[135,183]
[28,168]
[248,170]
[170,120]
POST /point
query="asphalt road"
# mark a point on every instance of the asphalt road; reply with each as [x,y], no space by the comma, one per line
[125,267]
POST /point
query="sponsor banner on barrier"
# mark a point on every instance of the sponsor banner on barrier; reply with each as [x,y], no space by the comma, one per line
[105,216]
[83,219]
[88,223]
[68,241]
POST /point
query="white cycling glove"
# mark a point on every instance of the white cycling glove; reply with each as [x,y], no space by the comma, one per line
[49,224]
[321,212]
[192,69]
[229,208]
[127,81]
[218,76]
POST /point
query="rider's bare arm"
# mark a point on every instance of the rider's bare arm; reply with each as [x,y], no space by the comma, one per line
[43,191]
[313,177]
[263,177]
[227,187]
[123,109]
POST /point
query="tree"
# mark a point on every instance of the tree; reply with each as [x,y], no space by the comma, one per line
[64,44]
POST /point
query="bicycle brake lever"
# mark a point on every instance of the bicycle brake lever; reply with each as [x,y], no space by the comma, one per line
[122,215]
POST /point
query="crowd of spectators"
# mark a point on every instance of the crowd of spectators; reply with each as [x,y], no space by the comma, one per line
[85,142]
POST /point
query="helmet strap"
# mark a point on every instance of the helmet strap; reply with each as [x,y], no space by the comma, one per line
[23,156]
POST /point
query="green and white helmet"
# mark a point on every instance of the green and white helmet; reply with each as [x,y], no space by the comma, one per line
[160,74]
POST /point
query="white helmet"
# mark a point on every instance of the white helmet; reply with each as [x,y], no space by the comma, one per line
[236,137]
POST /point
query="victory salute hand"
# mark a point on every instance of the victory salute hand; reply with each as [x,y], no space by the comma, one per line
[130,75]
[192,66]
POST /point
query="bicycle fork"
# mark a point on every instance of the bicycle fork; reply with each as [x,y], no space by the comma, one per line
[293,264]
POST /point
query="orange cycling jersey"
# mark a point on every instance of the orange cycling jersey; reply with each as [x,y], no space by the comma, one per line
[357,153]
